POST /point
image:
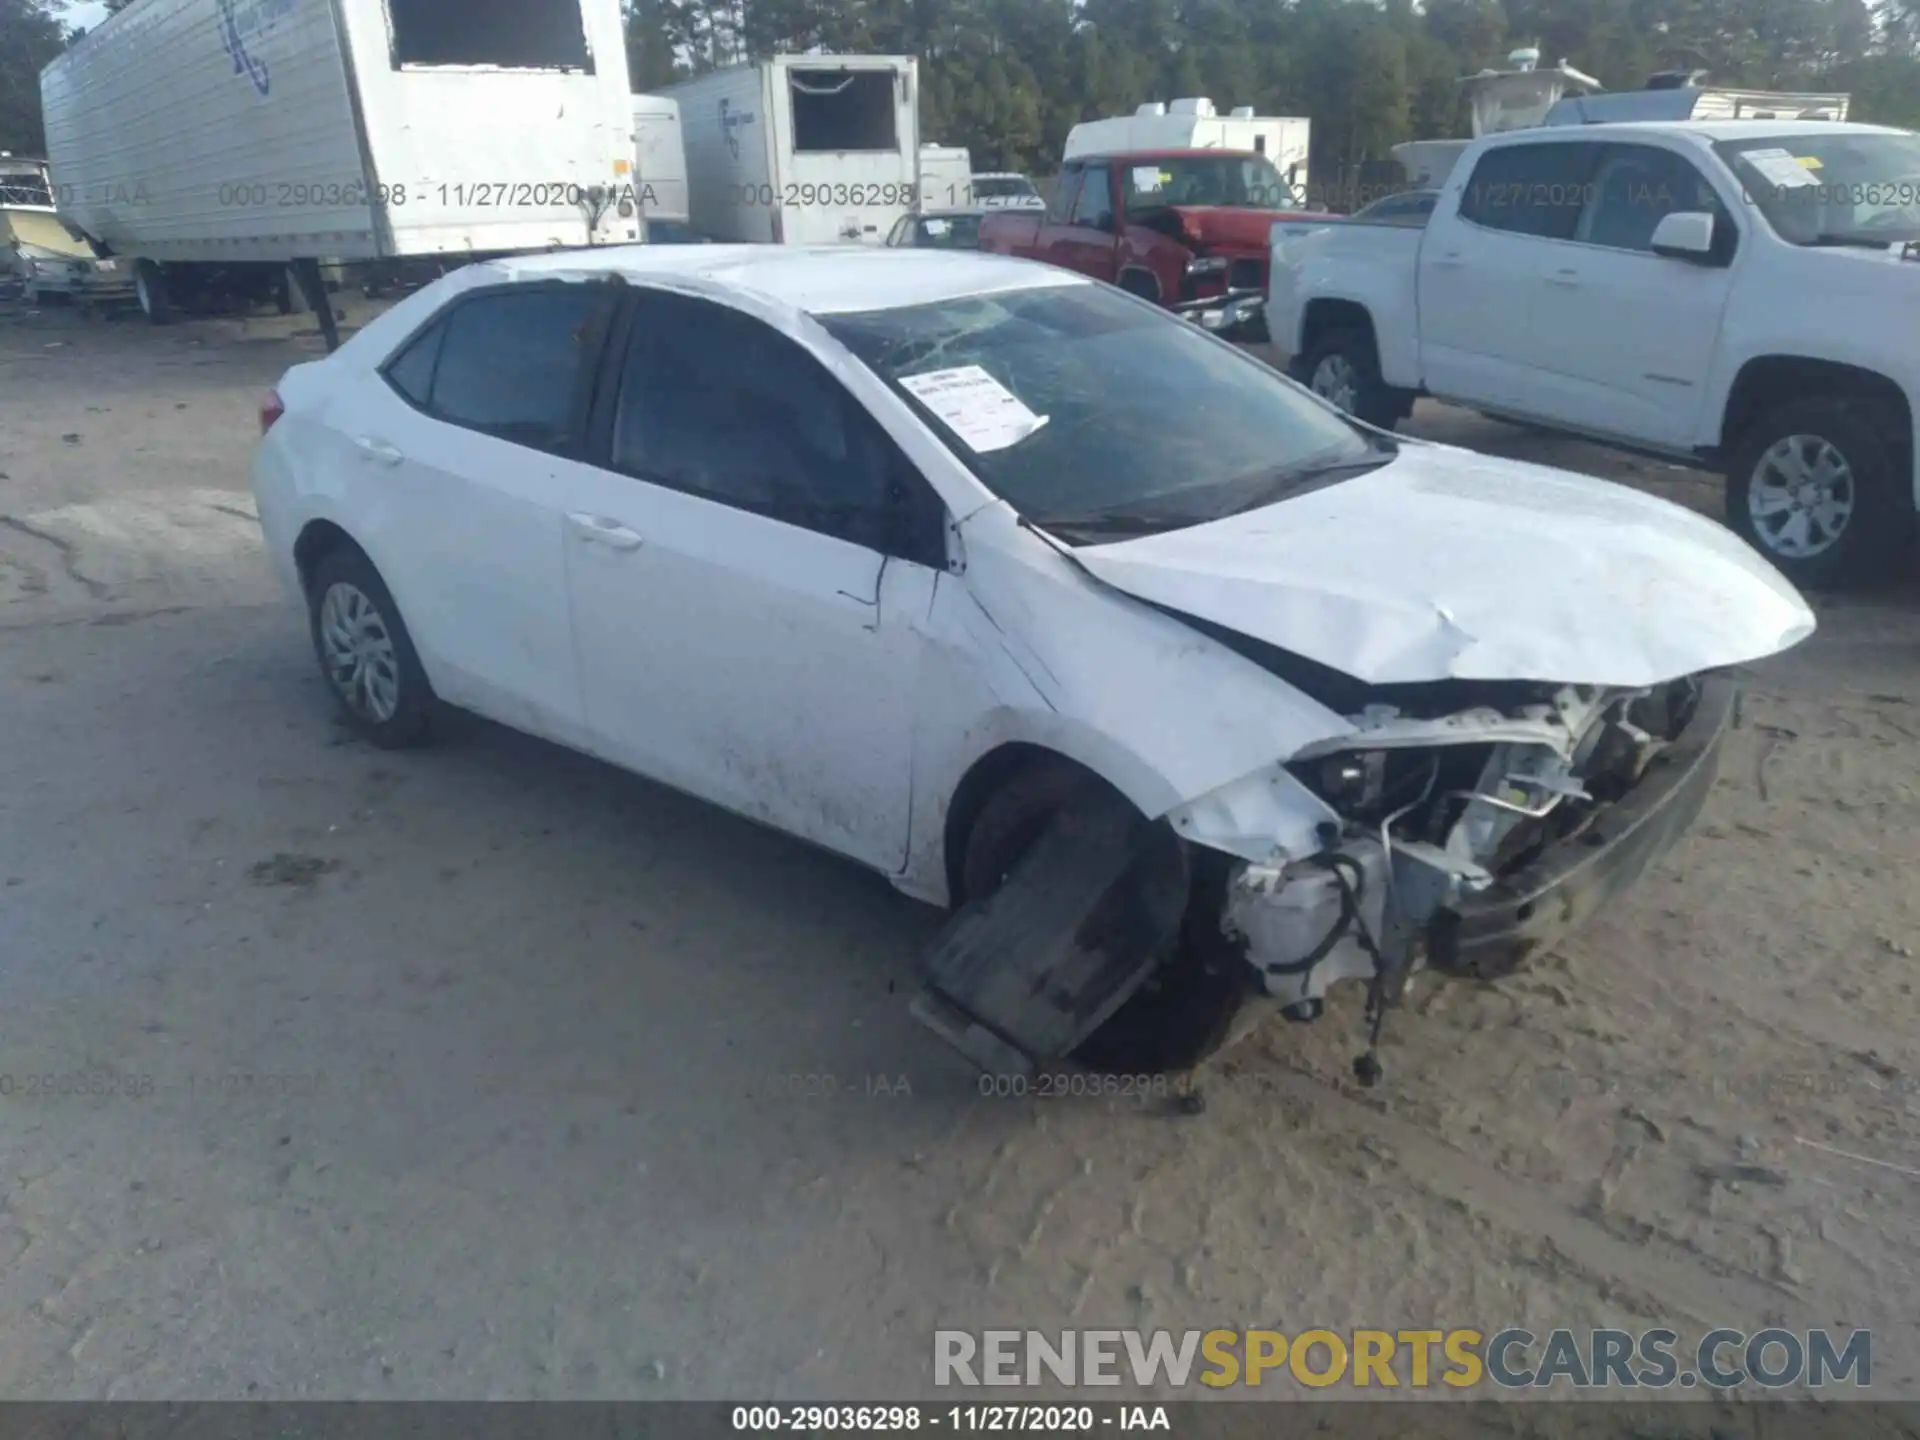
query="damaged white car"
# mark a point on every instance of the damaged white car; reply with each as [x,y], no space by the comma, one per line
[1179,686]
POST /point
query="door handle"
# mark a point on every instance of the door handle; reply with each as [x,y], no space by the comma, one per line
[1451,259]
[599,530]
[378,451]
[1565,279]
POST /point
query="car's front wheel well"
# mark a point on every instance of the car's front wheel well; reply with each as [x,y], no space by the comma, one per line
[1016,762]
[1770,381]
[318,540]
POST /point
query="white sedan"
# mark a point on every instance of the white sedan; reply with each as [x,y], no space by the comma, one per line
[917,555]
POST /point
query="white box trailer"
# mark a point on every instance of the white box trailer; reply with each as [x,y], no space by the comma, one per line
[241,136]
[946,177]
[659,158]
[802,149]
[1194,124]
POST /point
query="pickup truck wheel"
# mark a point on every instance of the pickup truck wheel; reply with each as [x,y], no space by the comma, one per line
[1185,1010]
[1343,368]
[1823,487]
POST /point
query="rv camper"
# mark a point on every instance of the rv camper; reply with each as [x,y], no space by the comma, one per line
[946,177]
[1524,96]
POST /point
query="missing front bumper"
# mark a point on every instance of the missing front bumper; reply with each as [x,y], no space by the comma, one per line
[1499,930]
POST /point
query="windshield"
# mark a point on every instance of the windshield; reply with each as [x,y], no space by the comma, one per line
[1246,182]
[1096,416]
[1831,187]
[1002,187]
[949,232]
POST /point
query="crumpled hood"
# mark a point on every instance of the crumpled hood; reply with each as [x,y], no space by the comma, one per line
[1446,564]
[1224,227]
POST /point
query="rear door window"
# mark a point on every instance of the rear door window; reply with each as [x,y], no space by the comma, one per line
[511,362]
[1534,189]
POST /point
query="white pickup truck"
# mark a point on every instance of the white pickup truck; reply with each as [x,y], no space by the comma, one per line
[1743,295]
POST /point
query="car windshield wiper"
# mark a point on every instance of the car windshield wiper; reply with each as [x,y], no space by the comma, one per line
[1122,522]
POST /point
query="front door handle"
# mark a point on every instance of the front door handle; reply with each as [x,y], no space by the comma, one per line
[598,530]
[378,451]
[1565,279]
[1451,260]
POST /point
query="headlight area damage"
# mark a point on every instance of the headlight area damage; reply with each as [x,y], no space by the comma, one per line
[1465,829]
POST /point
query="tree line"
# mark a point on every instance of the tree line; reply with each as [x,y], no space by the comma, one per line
[1008,78]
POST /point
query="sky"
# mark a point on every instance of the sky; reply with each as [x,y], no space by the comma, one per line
[88,13]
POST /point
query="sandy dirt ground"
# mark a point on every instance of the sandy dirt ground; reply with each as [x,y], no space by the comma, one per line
[489,1071]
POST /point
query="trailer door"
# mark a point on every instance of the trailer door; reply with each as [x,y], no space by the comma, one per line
[509,125]
[849,147]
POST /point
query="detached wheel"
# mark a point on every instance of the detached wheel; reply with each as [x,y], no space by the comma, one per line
[1185,1010]
[365,653]
[150,288]
[1823,487]
[1343,368]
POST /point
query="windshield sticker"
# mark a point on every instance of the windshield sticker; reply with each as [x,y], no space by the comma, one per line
[1781,168]
[1148,178]
[975,406]
[936,227]
[1812,162]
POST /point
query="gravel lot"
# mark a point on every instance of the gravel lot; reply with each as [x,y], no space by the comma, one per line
[522,1030]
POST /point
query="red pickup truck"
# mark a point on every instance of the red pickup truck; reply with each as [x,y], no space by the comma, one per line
[1188,229]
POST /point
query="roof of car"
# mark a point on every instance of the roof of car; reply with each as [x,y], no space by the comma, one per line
[814,279]
[953,212]
[1712,131]
[1156,152]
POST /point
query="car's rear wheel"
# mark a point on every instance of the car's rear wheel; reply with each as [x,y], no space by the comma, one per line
[366,654]
[1823,487]
[1342,367]
[1185,1010]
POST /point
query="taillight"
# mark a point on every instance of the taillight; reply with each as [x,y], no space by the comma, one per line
[271,409]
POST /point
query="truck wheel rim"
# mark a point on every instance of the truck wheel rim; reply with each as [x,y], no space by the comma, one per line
[359,654]
[1801,496]
[1333,381]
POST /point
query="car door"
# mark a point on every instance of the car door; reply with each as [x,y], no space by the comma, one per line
[1089,241]
[749,618]
[1638,331]
[457,452]
[1482,263]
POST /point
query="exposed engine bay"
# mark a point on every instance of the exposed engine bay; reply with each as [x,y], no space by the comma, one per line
[1422,813]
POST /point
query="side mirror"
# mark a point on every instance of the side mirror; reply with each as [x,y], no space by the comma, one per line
[1684,235]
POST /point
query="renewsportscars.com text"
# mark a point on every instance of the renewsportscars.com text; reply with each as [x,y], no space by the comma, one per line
[1509,1359]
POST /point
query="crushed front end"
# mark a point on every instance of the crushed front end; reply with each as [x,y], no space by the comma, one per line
[1469,841]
